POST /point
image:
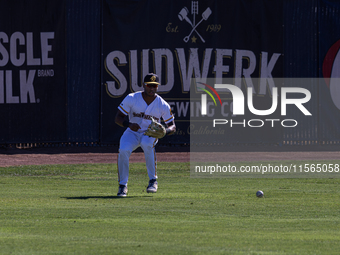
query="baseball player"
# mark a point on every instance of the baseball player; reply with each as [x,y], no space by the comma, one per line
[141,114]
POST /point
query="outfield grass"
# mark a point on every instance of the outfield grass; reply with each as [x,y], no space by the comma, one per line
[72,209]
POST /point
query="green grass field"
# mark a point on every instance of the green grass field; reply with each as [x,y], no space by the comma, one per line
[72,209]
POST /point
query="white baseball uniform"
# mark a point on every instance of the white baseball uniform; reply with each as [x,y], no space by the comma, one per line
[139,112]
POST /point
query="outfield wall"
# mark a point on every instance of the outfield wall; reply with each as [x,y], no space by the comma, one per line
[65,65]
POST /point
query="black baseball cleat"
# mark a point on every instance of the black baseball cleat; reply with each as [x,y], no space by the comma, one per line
[153,186]
[122,191]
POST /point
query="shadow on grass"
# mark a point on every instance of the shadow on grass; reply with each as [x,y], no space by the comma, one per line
[105,197]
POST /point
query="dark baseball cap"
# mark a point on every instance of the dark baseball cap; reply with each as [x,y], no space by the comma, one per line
[151,78]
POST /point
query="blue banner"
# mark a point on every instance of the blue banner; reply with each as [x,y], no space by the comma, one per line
[329,70]
[32,71]
[181,40]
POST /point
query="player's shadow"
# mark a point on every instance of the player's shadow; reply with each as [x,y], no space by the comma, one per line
[104,197]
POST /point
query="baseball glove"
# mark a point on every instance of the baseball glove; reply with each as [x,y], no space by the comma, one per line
[155,130]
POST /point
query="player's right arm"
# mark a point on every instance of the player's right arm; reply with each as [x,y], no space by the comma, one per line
[122,120]
[122,116]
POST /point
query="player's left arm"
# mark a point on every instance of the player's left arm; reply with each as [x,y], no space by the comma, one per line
[169,119]
[171,128]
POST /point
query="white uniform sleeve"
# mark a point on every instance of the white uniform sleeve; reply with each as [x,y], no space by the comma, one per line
[125,105]
[167,114]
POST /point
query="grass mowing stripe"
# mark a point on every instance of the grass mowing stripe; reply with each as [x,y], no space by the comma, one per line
[72,209]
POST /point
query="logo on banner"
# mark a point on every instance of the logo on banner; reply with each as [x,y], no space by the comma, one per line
[16,52]
[183,15]
[331,72]
[125,68]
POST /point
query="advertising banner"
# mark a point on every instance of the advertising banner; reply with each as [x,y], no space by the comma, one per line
[32,71]
[329,62]
[181,40]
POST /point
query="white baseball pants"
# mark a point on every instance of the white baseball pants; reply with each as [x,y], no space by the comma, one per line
[130,141]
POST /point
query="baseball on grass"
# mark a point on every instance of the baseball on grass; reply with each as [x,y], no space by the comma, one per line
[259,193]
